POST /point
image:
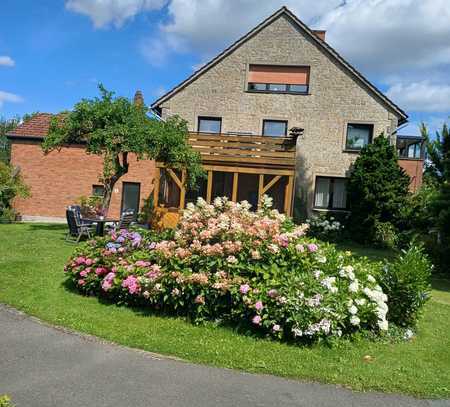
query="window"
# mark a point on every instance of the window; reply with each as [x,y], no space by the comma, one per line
[130,196]
[278,79]
[358,136]
[330,193]
[98,190]
[210,124]
[277,128]
[410,147]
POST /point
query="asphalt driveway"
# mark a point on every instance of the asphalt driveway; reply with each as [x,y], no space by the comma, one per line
[41,366]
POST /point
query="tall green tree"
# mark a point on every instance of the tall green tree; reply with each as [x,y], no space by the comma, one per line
[378,188]
[114,127]
[6,125]
[441,206]
[434,164]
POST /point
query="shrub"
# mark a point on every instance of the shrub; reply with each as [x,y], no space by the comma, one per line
[406,282]
[5,401]
[385,234]
[325,227]
[226,263]
[377,189]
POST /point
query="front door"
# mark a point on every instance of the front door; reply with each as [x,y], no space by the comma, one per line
[130,196]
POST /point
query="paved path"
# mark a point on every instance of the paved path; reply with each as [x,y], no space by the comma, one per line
[41,366]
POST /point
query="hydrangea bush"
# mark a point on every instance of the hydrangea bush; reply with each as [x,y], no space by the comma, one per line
[227,263]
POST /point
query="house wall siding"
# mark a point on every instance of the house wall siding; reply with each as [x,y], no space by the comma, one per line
[335,99]
[61,177]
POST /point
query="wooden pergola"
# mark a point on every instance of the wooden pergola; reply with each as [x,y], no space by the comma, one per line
[262,156]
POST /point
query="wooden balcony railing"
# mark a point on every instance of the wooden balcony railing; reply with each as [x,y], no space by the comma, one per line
[243,150]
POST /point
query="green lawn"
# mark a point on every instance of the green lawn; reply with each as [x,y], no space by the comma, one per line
[31,279]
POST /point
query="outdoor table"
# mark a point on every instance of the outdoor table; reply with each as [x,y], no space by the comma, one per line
[100,224]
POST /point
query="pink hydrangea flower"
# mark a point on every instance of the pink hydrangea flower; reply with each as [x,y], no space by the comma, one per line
[79,260]
[81,282]
[272,293]
[101,271]
[244,288]
[259,305]
[132,284]
[256,320]
[276,328]
[107,281]
[312,247]
[88,262]
[300,248]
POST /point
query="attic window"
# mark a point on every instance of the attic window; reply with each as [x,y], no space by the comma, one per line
[278,79]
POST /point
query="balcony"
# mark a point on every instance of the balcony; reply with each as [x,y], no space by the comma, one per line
[245,150]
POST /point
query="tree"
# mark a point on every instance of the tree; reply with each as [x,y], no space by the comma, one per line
[434,165]
[378,188]
[6,125]
[114,127]
[441,161]
[11,185]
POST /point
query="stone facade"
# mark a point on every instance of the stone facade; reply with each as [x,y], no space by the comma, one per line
[335,98]
[58,179]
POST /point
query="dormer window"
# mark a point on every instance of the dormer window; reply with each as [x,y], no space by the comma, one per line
[278,79]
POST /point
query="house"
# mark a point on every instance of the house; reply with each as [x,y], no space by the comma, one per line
[278,112]
[60,178]
[411,152]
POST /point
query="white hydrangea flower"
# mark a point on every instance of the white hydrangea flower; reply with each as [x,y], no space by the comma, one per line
[360,301]
[353,310]
[354,320]
[354,286]
[371,279]
[383,325]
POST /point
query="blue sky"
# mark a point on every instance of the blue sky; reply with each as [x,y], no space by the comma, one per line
[54,52]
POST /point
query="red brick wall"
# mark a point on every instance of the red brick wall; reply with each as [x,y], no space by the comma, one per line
[61,177]
[414,168]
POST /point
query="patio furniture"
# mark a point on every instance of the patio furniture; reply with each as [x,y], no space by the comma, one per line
[126,219]
[76,228]
[80,219]
[100,228]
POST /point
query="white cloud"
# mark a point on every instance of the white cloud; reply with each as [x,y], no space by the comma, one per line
[382,37]
[9,97]
[207,26]
[421,96]
[6,61]
[116,12]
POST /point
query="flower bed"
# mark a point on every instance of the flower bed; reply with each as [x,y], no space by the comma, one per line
[226,263]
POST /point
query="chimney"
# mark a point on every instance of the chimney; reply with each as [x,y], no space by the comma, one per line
[138,98]
[320,34]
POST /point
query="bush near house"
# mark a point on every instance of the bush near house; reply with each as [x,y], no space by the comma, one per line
[407,284]
[225,263]
[11,186]
[378,189]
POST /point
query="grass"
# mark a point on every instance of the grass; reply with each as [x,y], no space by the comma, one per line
[31,279]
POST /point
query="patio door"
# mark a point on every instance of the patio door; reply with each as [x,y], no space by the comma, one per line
[130,196]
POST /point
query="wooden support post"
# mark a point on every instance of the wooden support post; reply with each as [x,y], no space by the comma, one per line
[209,187]
[235,187]
[288,194]
[271,183]
[183,189]
[260,189]
[156,186]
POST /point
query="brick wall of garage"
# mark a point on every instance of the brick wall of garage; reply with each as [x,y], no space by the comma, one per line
[58,179]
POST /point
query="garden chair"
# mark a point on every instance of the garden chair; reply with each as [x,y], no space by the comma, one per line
[127,218]
[77,210]
[76,228]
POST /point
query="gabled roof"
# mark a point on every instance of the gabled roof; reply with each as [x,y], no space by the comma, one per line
[34,128]
[322,44]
